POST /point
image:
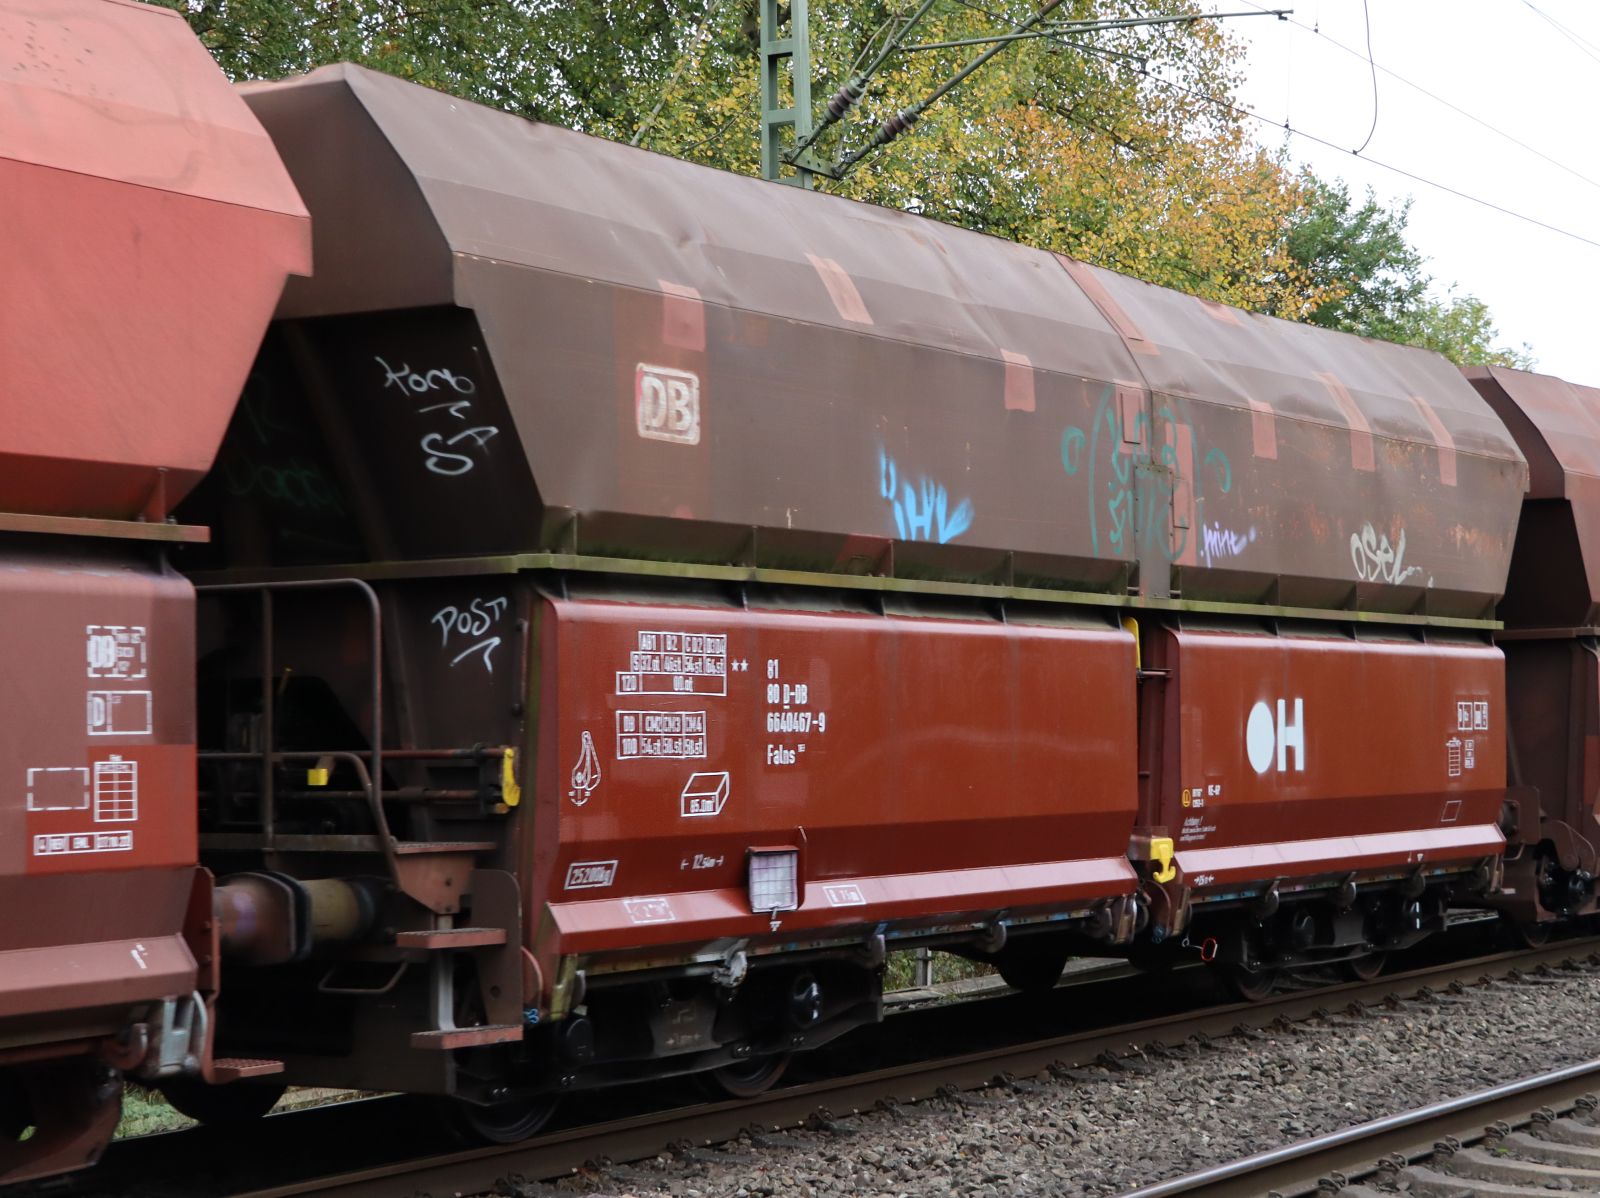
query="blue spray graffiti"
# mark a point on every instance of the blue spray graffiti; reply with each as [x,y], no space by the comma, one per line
[1136,519]
[922,510]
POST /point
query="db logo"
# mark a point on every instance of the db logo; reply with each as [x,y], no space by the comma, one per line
[1265,736]
[667,404]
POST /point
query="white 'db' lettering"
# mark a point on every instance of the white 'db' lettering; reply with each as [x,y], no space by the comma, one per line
[1263,735]
[667,404]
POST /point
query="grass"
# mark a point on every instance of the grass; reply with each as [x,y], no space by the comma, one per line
[145,1111]
[900,971]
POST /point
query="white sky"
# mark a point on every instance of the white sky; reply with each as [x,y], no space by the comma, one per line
[1499,61]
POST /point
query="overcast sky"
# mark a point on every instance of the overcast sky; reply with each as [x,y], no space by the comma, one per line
[1499,61]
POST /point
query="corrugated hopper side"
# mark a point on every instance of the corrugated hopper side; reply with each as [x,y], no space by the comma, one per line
[547,341]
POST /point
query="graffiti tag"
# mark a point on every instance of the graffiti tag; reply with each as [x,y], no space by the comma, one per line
[922,507]
[1376,560]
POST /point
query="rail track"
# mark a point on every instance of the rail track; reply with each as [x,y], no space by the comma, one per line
[648,1132]
[1536,1134]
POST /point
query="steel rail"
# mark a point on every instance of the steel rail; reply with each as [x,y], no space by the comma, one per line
[478,1170]
[1298,1169]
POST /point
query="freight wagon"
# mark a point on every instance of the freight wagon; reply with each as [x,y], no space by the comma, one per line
[639,598]
[643,597]
[146,227]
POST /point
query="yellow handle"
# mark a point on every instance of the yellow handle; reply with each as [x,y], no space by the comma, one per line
[1161,854]
[510,792]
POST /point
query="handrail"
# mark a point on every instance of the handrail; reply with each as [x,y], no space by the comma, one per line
[372,774]
[380,821]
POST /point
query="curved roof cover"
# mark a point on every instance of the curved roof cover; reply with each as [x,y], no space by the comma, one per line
[1557,426]
[146,225]
[678,362]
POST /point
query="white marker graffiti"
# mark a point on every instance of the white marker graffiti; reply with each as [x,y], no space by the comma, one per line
[1218,542]
[441,461]
[422,382]
[471,622]
[1376,560]
[439,452]
[922,510]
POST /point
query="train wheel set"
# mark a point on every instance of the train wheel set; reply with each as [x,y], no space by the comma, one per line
[493,612]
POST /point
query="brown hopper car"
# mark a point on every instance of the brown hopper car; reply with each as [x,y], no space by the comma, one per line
[640,597]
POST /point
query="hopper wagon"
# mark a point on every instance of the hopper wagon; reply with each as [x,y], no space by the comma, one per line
[146,227]
[641,597]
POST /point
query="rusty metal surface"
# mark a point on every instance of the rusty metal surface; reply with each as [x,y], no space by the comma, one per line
[1298,756]
[1556,570]
[1295,450]
[147,226]
[664,361]
[921,768]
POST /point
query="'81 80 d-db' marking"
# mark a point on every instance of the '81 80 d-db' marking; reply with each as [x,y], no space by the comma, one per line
[590,875]
[666,404]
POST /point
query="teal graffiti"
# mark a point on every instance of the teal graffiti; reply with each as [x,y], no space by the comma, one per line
[1112,457]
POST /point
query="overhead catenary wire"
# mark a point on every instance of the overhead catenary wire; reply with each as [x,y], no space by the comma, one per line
[1438,99]
[1035,26]
[1582,43]
[1240,110]
[1367,14]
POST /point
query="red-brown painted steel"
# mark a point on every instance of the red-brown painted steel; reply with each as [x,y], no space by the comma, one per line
[923,768]
[1557,562]
[1552,613]
[97,815]
[1304,757]
[147,229]
[146,226]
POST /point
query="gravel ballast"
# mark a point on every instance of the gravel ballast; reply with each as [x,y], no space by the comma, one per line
[1161,1114]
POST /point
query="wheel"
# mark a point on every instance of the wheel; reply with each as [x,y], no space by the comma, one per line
[1251,985]
[221,1106]
[501,1123]
[1033,970]
[1364,969]
[747,1078]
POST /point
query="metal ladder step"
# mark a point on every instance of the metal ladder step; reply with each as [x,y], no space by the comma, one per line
[442,938]
[409,848]
[466,1037]
[232,1069]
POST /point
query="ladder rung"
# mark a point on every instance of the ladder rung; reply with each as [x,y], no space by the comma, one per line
[228,1069]
[452,938]
[466,1037]
[408,848]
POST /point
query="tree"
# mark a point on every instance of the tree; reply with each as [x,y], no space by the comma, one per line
[1357,258]
[1460,328]
[1371,280]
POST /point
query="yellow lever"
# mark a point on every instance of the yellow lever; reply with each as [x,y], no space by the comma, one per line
[510,792]
[1161,855]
